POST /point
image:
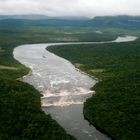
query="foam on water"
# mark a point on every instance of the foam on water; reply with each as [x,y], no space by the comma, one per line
[65,97]
[126,39]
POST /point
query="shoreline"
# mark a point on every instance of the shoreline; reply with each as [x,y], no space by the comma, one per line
[98,128]
[97,81]
[22,77]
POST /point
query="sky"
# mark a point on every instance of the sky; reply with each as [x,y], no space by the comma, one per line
[89,8]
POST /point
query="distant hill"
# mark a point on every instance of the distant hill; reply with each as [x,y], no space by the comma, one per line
[116,21]
[30,17]
[99,22]
[41,17]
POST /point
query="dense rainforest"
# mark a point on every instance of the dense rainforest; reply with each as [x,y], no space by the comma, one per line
[21,117]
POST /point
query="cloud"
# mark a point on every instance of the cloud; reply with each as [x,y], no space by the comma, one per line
[88,8]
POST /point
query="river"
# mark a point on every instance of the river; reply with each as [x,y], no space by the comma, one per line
[63,87]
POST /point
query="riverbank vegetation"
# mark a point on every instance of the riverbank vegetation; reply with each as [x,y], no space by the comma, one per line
[115,108]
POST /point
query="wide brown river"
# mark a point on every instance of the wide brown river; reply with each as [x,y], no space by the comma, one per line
[63,87]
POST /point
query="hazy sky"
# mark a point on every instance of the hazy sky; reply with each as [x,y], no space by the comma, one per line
[88,8]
